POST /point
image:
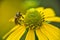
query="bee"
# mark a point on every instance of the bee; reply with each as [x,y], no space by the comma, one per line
[18,17]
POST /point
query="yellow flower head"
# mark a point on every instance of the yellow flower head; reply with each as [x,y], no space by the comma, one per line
[34,22]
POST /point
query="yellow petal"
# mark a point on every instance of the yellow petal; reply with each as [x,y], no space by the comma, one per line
[17,34]
[53,19]
[40,35]
[40,9]
[49,32]
[49,12]
[30,35]
[12,30]
[52,29]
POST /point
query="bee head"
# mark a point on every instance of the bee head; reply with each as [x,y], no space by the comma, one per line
[18,14]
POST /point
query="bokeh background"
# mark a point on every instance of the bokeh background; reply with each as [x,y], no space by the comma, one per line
[8,9]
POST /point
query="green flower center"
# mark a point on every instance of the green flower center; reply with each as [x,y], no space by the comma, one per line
[33,18]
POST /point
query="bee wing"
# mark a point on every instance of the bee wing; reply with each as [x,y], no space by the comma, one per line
[11,20]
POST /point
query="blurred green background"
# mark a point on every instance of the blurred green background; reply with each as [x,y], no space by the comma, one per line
[8,9]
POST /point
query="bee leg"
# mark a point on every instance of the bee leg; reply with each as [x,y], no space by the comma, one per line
[22,17]
[19,23]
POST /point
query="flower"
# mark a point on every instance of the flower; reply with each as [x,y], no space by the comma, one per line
[35,22]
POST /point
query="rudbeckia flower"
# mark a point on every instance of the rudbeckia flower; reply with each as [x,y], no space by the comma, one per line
[36,23]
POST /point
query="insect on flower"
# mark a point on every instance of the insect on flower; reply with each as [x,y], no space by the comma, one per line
[18,18]
[33,24]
